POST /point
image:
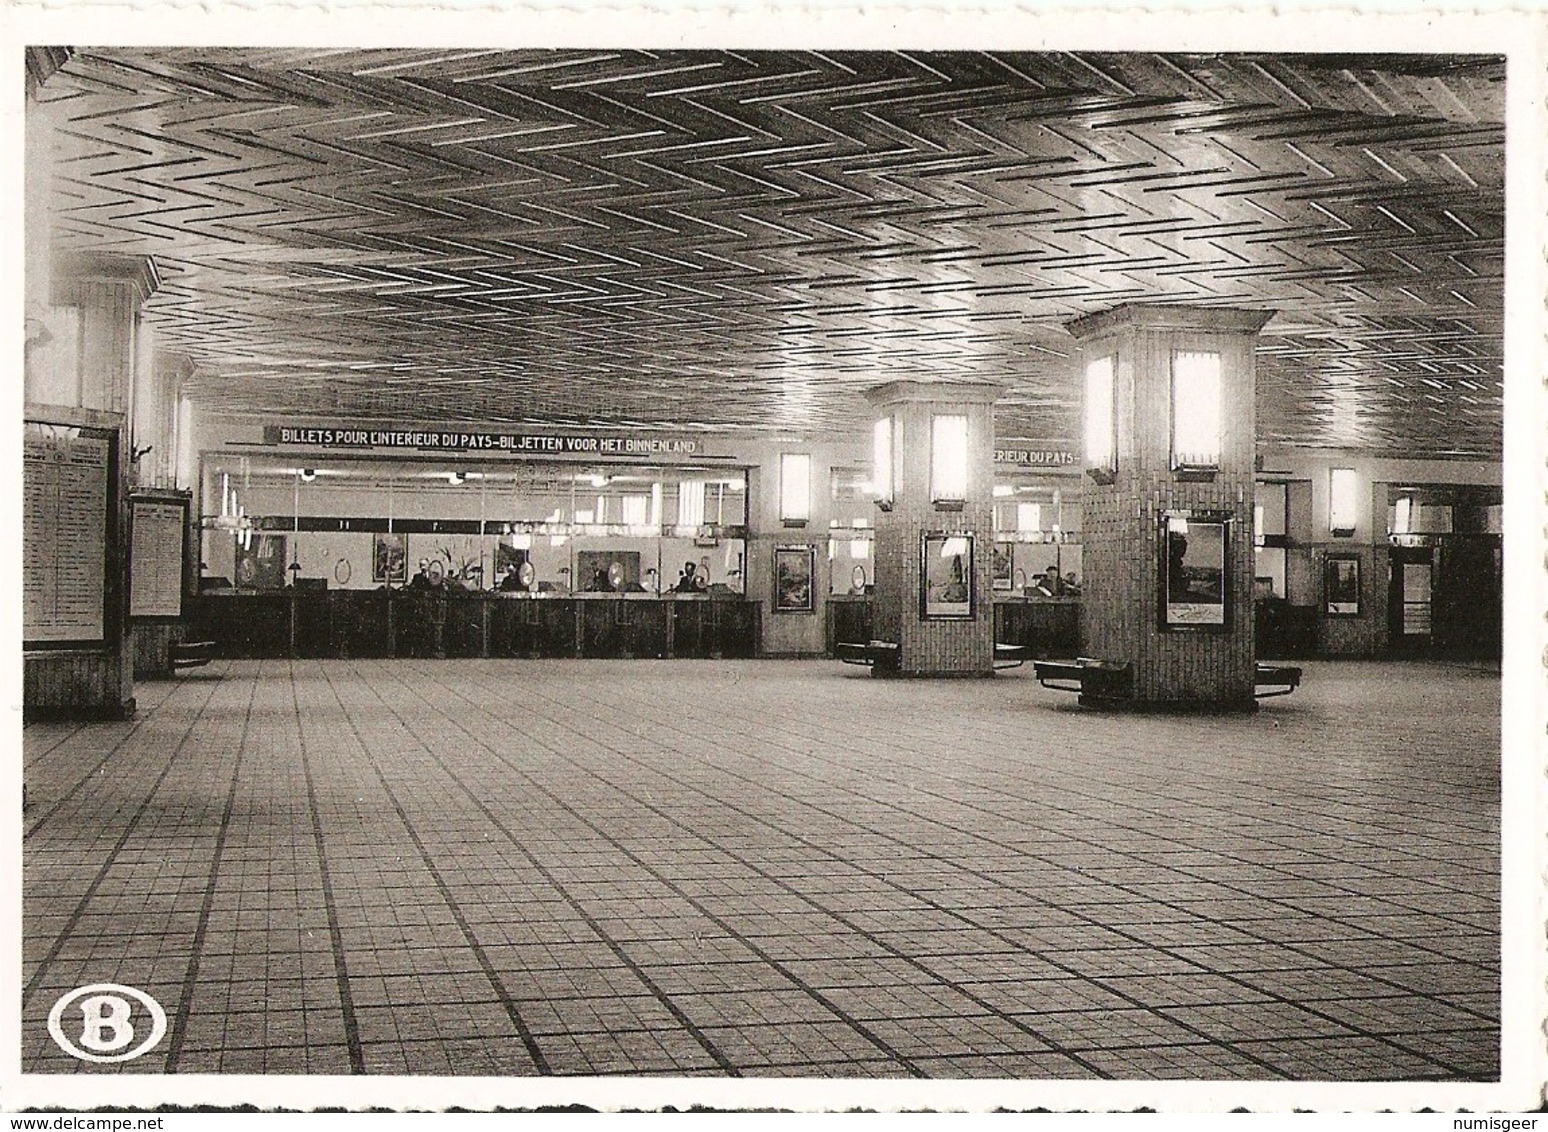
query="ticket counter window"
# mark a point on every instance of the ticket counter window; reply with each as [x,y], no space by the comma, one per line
[852,531]
[1269,540]
[1037,539]
[373,524]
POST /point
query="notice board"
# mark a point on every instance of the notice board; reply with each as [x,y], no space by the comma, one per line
[156,558]
[66,492]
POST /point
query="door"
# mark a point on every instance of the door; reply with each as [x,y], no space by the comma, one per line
[1409,599]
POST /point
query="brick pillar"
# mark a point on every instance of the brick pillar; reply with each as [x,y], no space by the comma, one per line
[932,641]
[1190,641]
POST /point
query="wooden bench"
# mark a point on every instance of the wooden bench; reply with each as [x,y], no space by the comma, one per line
[1097,681]
[1010,656]
[1106,681]
[1281,679]
[869,654]
[190,654]
[885,654]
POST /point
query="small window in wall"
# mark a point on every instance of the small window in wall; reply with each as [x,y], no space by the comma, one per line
[690,503]
[636,510]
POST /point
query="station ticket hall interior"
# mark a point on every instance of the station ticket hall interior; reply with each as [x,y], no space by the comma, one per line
[793,564]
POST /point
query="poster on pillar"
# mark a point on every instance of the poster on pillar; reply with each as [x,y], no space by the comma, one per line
[946,577]
[1194,580]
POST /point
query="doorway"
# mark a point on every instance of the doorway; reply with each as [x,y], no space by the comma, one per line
[1409,600]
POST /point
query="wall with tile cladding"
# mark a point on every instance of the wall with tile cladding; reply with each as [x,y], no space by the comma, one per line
[1122,594]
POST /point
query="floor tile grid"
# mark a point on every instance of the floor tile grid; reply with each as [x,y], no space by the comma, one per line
[71,757]
[994,877]
[1258,890]
[676,1015]
[379,907]
[266,990]
[1196,1034]
[1443,857]
[732,929]
[380,735]
[46,739]
[146,938]
[1438,889]
[408,725]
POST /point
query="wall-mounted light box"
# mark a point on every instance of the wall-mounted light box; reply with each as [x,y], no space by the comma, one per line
[1195,412]
[883,474]
[1342,487]
[1101,422]
[795,488]
[1403,516]
[948,460]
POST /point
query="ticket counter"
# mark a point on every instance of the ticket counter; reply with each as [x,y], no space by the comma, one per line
[405,623]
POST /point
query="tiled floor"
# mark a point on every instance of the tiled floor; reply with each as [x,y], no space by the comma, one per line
[785,868]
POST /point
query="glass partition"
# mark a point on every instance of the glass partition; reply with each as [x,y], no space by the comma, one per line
[1037,539]
[532,528]
[852,532]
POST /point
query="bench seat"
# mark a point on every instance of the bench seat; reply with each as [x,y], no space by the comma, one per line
[1280,679]
[1098,680]
[190,654]
[868,653]
[1010,656]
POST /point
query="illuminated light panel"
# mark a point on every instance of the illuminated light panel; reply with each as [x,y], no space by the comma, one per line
[948,458]
[1100,422]
[1195,410]
[795,487]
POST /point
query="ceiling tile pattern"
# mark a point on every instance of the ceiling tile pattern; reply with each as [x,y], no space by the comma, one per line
[745,241]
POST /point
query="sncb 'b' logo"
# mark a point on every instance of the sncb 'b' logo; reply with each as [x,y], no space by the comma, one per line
[114,1023]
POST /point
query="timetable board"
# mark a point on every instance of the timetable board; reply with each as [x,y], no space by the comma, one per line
[65,478]
[156,559]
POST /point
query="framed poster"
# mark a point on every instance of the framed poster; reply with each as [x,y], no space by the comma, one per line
[1001,574]
[260,565]
[1341,585]
[68,500]
[1195,584]
[794,569]
[156,544]
[946,577]
[389,559]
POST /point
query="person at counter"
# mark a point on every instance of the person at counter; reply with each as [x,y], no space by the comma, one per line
[600,582]
[1071,584]
[511,582]
[1049,584]
[421,580]
[687,580]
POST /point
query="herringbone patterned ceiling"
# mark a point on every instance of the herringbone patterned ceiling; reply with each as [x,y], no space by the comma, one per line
[745,241]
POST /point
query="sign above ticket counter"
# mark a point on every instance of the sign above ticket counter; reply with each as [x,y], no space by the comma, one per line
[1021,456]
[459,440]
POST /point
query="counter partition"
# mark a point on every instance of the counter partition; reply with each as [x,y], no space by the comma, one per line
[412,623]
